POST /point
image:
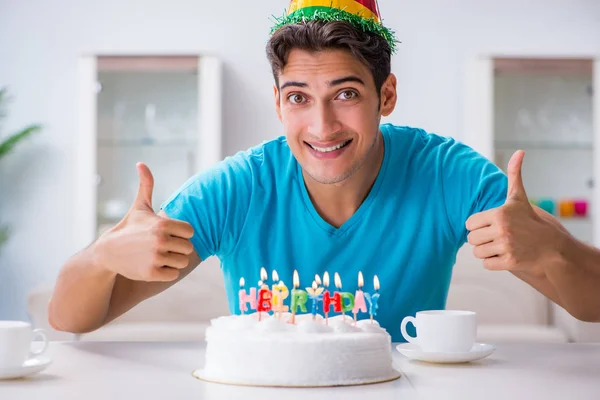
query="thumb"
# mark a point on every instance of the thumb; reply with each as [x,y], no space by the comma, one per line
[516,189]
[143,200]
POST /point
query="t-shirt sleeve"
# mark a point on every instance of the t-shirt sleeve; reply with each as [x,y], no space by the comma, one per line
[471,184]
[215,203]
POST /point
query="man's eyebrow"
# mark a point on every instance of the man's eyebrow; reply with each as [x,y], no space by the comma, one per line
[335,82]
[293,84]
[346,79]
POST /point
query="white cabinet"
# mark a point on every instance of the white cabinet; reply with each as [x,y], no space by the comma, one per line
[545,106]
[164,111]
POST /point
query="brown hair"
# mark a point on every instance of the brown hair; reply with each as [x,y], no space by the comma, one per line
[369,48]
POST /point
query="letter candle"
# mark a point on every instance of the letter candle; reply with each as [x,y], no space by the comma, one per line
[326,297]
[346,299]
[338,295]
[284,295]
[245,298]
[280,293]
[264,295]
[276,294]
[315,295]
[374,298]
[299,298]
[359,298]
[328,300]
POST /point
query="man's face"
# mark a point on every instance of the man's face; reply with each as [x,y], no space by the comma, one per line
[331,112]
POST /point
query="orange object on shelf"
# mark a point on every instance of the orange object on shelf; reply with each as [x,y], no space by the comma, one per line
[566,208]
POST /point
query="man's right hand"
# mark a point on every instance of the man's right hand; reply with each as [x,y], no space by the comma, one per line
[145,246]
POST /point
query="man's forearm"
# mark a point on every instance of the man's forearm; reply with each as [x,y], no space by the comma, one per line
[576,277]
[81,297]
[541,284]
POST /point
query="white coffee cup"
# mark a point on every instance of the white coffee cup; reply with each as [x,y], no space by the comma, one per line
[448,331]
[16,339]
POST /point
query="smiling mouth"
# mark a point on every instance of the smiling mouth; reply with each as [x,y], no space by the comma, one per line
[329,149]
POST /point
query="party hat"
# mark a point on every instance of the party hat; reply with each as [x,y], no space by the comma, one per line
[363,14]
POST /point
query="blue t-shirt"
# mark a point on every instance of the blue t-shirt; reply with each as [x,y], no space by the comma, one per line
[253,210]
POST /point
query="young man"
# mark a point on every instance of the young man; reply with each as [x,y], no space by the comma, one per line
[339,193]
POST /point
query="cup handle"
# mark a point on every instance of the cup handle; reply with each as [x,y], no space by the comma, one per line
[405,334]
[42,334]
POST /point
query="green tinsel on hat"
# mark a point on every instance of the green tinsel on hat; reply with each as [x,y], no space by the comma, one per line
[328,14]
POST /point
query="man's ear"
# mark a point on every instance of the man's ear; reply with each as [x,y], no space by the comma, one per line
[277,102]
[388,96]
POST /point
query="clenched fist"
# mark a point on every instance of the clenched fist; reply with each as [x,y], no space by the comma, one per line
[145,246]
[514,236]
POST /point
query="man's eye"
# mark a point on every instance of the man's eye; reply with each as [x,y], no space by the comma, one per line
[296,98]
[348,95]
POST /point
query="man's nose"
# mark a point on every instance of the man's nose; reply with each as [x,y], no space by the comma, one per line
[324,122]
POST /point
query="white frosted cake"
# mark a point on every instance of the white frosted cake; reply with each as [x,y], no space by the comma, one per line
[273,352]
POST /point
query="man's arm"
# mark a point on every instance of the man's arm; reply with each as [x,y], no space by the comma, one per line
[540,282]
[127,293]
[140,257]
[87,296]
[146,253]
[535,247]
[575,274]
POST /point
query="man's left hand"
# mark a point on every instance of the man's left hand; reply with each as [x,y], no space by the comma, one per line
[513,236]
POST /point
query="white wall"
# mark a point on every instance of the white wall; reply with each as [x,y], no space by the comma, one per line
[41,40]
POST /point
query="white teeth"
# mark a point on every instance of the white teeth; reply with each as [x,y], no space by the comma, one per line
[328,149]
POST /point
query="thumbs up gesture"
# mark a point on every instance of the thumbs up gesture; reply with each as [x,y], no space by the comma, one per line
[513,236]
[145,246]
[143,200]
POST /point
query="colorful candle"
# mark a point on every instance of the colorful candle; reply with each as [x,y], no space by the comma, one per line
[264,294]
[264,300]
[299,298]
[359,298]
[245,298]
[342,296]
[326,297]
[274,290]
[314,293]
[280,293]
[347,302]
[328,301]
[336,300]
[374,298]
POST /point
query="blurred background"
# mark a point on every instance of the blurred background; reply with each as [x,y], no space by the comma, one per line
[182,84]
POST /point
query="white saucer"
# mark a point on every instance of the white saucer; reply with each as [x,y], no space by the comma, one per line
[30,367]
[479,351]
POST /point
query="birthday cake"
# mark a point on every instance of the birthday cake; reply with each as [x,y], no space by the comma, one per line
[275,347]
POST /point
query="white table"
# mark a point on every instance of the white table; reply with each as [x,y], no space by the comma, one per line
[143,370]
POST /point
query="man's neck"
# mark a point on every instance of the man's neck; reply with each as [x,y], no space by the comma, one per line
[336,203]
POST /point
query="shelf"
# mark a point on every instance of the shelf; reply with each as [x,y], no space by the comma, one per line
[541,145]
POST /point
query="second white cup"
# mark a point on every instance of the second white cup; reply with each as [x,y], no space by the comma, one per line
[16,339]
[447,331]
